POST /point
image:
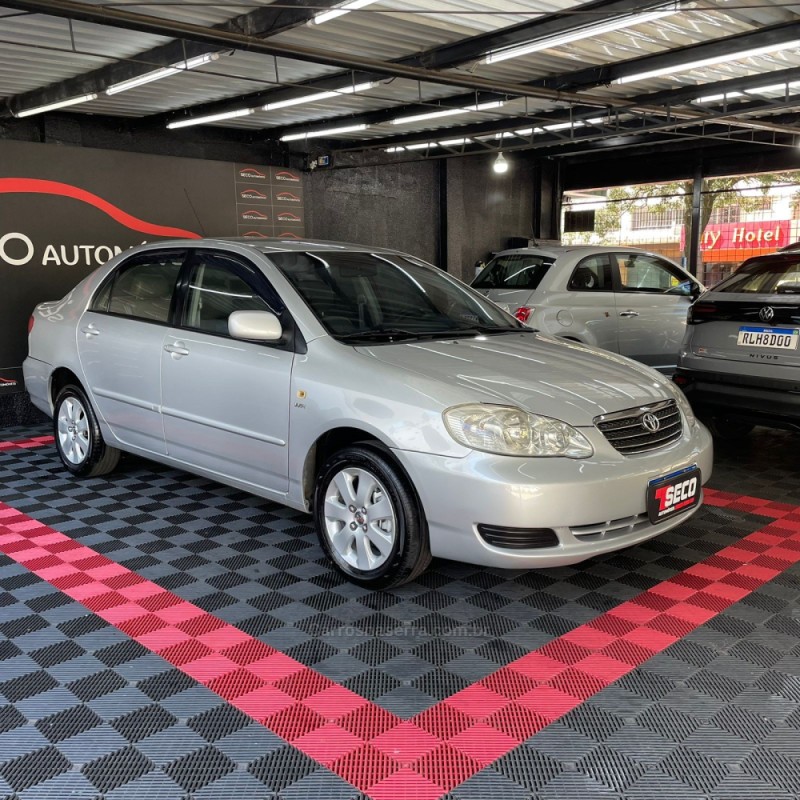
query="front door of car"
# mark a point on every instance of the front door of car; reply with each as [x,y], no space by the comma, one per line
[586,311]
[225,401]
[120,338]
[653,297]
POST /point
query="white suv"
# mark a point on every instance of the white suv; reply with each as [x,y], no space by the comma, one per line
[618,298]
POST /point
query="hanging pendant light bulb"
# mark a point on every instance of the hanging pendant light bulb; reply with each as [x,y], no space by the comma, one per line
[500,164]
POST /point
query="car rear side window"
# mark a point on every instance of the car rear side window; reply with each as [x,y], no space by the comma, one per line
[215,291]
[593,274]
[514,271]
[141,289]
[775,276]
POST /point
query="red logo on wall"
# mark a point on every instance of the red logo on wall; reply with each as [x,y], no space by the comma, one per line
[252,194]
[253,214]
[252,172]
[39,186]
[287,216]
[254,235]
[287,176]
[287,197]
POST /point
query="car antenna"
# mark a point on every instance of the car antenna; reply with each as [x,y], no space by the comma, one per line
[196,215]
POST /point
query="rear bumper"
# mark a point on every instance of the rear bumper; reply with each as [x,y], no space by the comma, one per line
[37,383]
[767,401]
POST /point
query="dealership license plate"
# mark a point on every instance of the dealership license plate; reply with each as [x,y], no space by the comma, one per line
[774,338]
[673,494]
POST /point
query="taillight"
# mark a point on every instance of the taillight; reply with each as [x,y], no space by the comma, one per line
[30,323]
[701,312]
[523,313]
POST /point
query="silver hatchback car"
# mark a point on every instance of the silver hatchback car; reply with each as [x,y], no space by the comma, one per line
[410,415]
[618,298]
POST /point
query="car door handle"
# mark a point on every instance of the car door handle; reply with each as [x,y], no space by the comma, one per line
[90,330]
[629,313]
[176,349]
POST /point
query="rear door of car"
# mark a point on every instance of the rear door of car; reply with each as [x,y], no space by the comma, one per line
[653,297]
[226,401]
[120,338]
[752,317]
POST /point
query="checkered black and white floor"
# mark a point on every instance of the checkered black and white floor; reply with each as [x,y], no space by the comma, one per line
[164,635]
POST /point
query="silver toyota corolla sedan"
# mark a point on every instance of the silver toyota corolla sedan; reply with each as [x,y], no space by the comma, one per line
[410,415]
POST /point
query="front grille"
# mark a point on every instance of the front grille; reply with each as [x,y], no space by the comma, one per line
[627,433]
[611,529]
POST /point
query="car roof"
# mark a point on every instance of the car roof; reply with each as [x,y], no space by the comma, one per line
[275,244]
[555,251]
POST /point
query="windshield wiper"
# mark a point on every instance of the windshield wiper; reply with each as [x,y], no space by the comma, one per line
[378,333]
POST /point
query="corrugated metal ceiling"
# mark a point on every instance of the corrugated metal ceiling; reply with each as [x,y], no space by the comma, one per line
[37,51]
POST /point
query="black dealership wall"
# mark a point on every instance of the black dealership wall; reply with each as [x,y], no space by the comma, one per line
[485,209]
[401,205]
[392,205]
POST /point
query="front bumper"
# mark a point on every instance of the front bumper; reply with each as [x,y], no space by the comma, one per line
[594,505]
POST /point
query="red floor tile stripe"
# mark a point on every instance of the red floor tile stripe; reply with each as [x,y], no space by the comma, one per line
[751,505]
[26,444]
[427,756]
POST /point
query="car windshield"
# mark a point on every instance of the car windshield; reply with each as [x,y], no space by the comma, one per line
[513,271]
[388,296]
[767,276]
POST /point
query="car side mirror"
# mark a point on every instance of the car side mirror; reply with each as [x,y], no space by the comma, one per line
[257,326]
[695,291]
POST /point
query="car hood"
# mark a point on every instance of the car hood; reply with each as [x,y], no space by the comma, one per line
[538,373]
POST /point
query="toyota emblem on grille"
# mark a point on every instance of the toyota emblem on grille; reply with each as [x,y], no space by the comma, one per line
[766,314]
[650,422]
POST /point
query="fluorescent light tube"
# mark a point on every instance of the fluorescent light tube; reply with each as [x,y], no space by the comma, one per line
[584,32]
[715,98]
[291,137]
[708,62]
[164,72]
[449,112]
[186,123]
[314,98]
[421,146]
[776,87]
[453,142]
[72,101]
[327,16]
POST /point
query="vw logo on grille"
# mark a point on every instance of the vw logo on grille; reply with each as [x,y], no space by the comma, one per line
[767,314]
[650,422]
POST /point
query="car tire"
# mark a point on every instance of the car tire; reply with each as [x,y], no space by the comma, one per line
[79,441]
[727,428]
[369,519]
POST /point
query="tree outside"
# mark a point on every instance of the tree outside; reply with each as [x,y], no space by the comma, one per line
[658,216]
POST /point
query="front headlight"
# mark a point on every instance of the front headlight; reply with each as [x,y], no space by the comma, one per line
[510,431]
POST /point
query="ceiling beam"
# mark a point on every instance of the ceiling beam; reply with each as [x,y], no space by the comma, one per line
[667,101]
[716,48]
[261,22]
[440,57]
[142,23]
[665,121]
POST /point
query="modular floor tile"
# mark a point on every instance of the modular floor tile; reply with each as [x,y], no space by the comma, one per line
[705,702]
